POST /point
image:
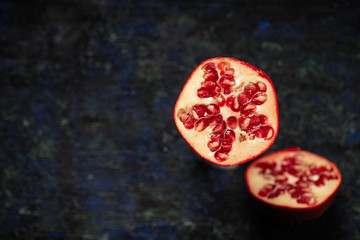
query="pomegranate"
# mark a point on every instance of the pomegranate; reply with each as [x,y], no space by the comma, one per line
[227,111]
[293,184]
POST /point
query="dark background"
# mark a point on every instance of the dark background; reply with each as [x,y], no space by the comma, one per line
[88,146]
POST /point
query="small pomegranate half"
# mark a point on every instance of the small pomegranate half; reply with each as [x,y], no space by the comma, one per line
[293,184]
[227,111]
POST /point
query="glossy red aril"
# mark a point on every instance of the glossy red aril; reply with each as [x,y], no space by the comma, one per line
[293,184]
[227,111]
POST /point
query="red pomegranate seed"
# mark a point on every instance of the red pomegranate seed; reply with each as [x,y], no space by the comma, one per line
[215,91]
[259,133]
[244,122]
[228,71]
[261,86]
[227,81]
[321,180]
[236,104]
[318,170]
[293,172]
[255,121]
[227,90]
[211,76]
[189,123]
[183,115]
[248,108]
[312,200]
[263,119]
[232,122]
[250,89]
[289,160]
[201,124]
[220,101]
[302,184]
[216,136]
[266,165]
[262,193]
[242,99]
[213,109]
[230,102]
[259,98]
[223,64]
[226,147]
[333,176]
[276,193]
[199,109]
[208,84]
[208,67]
[203,93]
[307,199]
[229,135]
[305,190]
[281,179]
[221,155]
[233,103]
[220,127]
[214,145]
[293,191]
[266,189]
[268,132]
[215,120]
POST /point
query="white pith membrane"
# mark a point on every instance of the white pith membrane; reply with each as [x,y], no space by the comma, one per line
[314,196]
[241,150]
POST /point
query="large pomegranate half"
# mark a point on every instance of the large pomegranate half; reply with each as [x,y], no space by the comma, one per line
[293,184]
[227,111]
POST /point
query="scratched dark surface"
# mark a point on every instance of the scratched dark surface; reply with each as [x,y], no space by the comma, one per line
[88,147]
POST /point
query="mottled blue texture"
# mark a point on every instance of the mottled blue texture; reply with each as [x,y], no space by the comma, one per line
[88,146]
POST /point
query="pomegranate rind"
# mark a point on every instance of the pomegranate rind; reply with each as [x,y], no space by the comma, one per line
[290,210]
[242,151]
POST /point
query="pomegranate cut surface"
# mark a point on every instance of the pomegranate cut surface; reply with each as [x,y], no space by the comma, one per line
[296,184]
[227,111]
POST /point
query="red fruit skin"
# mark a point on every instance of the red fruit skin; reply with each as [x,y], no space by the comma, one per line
[288,213]
[262,74]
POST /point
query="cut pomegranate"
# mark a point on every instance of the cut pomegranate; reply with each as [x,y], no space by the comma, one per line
[227,111]
[293,184]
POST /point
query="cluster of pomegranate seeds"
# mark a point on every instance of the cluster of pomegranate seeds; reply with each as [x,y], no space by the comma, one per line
[220,85]
[303,176]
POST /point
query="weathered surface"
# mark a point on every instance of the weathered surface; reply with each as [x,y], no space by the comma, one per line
[88,146]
